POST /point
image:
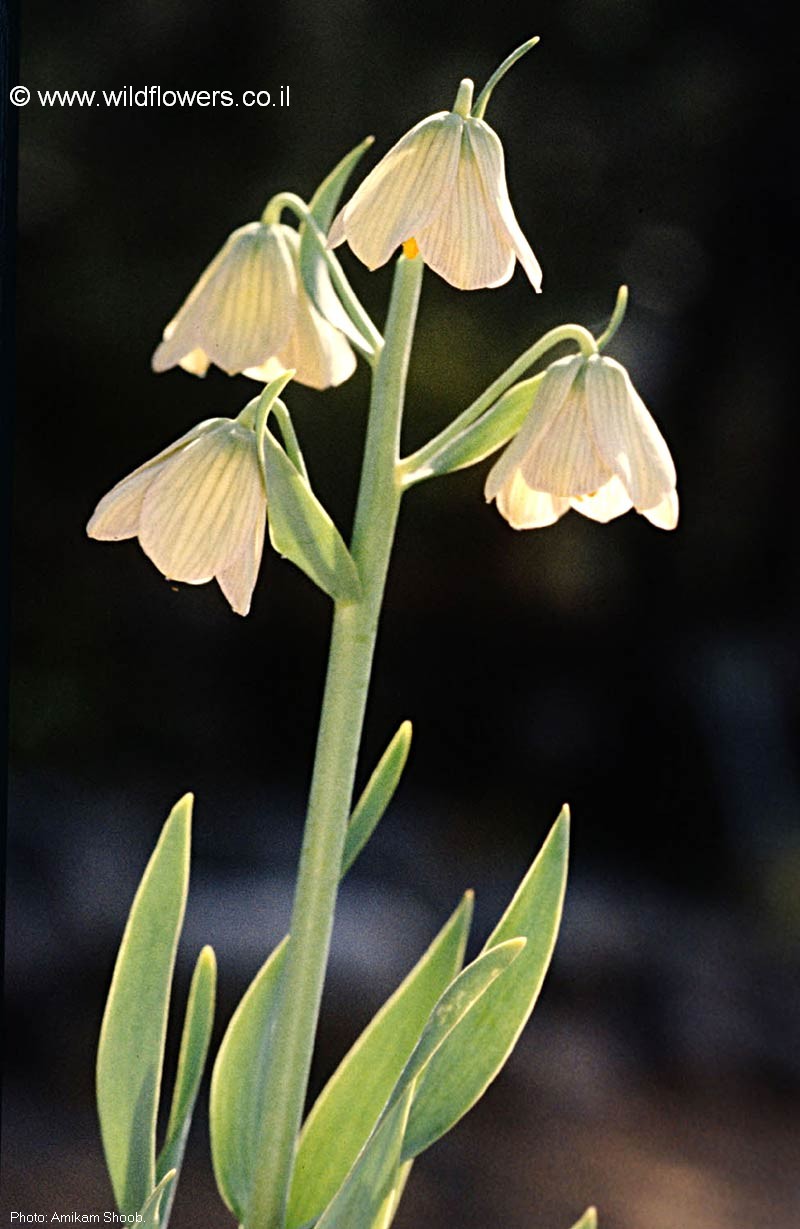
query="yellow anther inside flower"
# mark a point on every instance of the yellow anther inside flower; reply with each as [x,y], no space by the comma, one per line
[410,249]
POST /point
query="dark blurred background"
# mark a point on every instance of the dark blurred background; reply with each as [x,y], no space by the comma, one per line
[650,679]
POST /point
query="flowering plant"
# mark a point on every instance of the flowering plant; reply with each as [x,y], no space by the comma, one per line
[276,304]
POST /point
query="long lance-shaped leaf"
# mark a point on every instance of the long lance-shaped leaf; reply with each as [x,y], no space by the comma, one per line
[392,1201]
[152,1215]
[476,1049]
[365,1190]
[299,527]
[238,1086]
[130,1055]
[377,795]
[313,264]
[371,1205]
[349,1106]
[495,428]
[459,1000]
[588,1220]
[191,1063]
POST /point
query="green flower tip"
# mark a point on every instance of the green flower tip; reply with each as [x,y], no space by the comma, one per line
[486,93]
[463,103]
[617,316]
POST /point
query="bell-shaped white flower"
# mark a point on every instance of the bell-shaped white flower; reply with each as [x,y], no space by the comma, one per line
[441,190]
[198,509]
[250,313]
[588,443]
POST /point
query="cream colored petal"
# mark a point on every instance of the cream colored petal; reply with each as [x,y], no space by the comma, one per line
[564,460]
[402,192]
[197,515]
[238,579]
[610,501]
[665,514]
[242,309]
[117,514]
[488,152]
[266,371]
[524,508]
[626,435]
[547,404]
[318,353]
[462,242]
[196,362]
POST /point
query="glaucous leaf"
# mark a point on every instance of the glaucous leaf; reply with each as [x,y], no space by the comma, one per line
[130,1054]
[313,259]
[238,1086]
[479,1044]
[152,1212]
[377,795]
[494,429]
[191,1063]
[459,999]
[392,1201]
[300,528]
[362,1195]
[351,1102]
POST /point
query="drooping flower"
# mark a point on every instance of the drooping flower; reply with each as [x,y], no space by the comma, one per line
[588,443]
[198,509]
[441,191]
[250,313]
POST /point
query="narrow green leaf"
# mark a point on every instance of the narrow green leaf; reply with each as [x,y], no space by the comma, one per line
[377,795]
[191,1063]
[348,1107]
[130,1054]
[476,1049]
[392,1201]
[326,198]
[150,1213]
[588,1220]
[313,267]
[300,528]
[370,1181]
[454,1007]
[494,429]
[237,1086]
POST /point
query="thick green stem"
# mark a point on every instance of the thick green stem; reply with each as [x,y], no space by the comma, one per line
[355,627]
